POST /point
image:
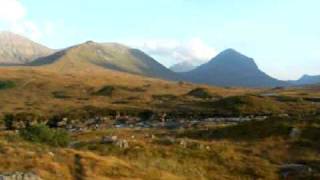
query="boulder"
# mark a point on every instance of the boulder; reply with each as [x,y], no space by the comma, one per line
[295,133]
[183,143]
[123,144]
[109,139]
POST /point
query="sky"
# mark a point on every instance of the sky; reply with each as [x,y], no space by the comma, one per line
[282,36]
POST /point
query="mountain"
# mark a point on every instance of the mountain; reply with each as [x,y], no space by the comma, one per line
[92,55]
[182,67]
[18,50]
[231,68]
[307,79]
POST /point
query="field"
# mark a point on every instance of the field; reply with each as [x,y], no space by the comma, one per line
[250,151]
[254,149]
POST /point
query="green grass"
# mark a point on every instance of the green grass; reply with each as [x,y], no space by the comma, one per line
[105,91]
[60,95]
[43,134]
[247,131]
[200,93]
[7,85]
[249,104]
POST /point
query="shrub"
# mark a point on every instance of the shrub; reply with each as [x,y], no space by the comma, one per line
[200,93]
[60,95]
[6,85]
[132,89]
[105,91]
[252,130]
[146,115]
[289,99]
[43,134]
[166,141]
[21,120]
[165,97]
[8,121]
[248,104]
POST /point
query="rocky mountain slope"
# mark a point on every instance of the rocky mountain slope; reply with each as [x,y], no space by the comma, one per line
[17,50]
[231,68]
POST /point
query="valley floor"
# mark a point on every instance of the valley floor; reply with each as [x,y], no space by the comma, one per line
[104,126]
[250,150]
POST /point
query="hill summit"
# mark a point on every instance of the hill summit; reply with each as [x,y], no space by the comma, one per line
[92,55]
[308,79]
[17,50]
[231,68]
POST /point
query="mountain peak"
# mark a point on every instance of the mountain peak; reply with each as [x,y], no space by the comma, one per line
[98,56]
[10,36]
[231,54]
[308,79]
[233,59]
[231,68]
[184,66]
[7,33]
[305,76]
[90,42]
[231,51]
[16,49]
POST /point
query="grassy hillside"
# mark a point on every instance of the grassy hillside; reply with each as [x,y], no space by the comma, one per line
[90,56]
[42,91]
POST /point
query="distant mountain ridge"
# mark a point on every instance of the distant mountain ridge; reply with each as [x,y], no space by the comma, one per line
[231,68]
[18,50]
[307,80]
[108,56]
[182,67]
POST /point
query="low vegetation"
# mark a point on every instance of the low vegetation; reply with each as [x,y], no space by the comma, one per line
[43,134]
[200,93]
[247,131]
[252,150]
[248,104]
[6,85]
[247,150]
[105,91]
[60,95]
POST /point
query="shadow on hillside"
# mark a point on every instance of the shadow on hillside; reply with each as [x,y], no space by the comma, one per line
[248,131]
[78,168]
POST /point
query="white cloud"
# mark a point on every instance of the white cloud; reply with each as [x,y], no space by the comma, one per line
[11,11]
[27,28]
[13,16]
[194,51]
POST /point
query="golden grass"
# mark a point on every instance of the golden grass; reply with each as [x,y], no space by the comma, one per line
[35,87]
[146,158]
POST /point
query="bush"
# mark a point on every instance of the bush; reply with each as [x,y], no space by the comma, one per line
[6,85]
[252,130]
[105,91]
[60,95]
[8,121]
[43,134]
[289,99]
[165,97]
[200,93]
[21,120]
[248,104]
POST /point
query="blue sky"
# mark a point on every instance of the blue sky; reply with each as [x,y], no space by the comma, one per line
[282,36]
